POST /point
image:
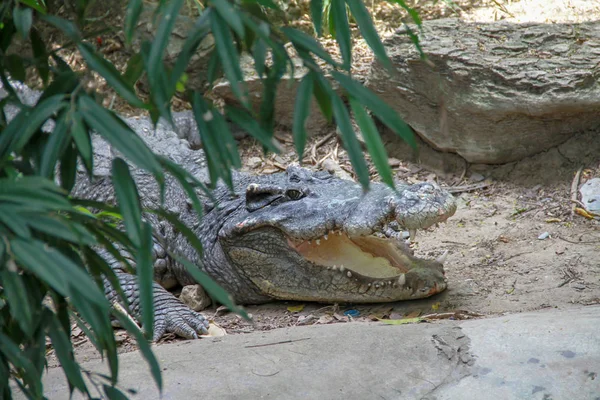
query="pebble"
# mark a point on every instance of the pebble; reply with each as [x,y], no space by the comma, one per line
[543,236]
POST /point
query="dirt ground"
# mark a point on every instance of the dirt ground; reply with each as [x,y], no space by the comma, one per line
[513,246]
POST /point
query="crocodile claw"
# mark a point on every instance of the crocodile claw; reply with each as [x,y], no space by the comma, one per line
[171,315]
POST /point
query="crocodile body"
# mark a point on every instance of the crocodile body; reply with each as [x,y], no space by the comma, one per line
[295,235]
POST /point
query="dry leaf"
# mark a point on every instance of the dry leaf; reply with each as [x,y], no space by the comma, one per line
[402,321]
[435,306]
[215,330]
[297,308]
[551,220]
[325,319]
[413,314]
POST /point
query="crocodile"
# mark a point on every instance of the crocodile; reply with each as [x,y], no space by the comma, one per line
[295,235]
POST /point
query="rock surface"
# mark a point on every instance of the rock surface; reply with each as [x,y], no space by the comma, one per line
[195,297]
[498,92]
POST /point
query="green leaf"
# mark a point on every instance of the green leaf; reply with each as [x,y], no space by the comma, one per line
[66,26]
[56,270]
[368,31]
[217,156]
[13,221]
[119,135]
[377,106]
[113,393]
[14,65]
[322,91]
[316,13]
[301,112]
[214,69]
[110,73]
[62,228]
[145,274]
[19,302]
[36,5]
[230,15]
[157,76]
[20,130]
[142,343]
[228,55]
[38,47]
[63,348]
[184,178]
[342,31]
[199,32]
[249,124]
[413,14]
[306,42]
[83,142]
[212,288]
[134,9]
[350,142]
[373,142]
[134,70]
[68,168]
[259,53]
[55,147]
[10,350]
[23,18]
[129,200]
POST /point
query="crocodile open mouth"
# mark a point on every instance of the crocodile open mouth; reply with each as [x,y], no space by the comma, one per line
[379,258]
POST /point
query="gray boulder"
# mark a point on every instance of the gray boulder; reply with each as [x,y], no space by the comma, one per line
[495,93]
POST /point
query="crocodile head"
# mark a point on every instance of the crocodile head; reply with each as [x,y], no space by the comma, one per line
[309,236]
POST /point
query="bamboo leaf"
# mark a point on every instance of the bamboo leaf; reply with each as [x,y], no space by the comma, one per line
[316,13]
[23,18]
[342,118]
[377,106]
[119,135]
[306,42]
[134,9]
[230,15]
[368,31]
[228,55]
[342,31]
[128,199]
[249,124]
[145,275]
[301,112]
[64,351]
[373,142]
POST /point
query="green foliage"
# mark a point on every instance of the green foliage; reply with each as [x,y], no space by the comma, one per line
[51,270]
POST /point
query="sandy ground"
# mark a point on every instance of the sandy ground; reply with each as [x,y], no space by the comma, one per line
[497,262]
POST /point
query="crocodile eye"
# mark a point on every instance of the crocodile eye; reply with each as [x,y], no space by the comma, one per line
[294,194]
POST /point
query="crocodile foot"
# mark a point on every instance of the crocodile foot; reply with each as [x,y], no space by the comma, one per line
[171,315]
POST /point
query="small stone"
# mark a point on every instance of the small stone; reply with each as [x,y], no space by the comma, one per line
[195,297]
[578,286]
[475,177]
[543,236]
[254,162]
[393,162]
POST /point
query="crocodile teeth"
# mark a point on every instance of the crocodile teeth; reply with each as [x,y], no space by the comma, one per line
[325,237]
[349,274]
[442,259]
[342,269]
[318,242]
[401,280]
[334,268]
[413,234]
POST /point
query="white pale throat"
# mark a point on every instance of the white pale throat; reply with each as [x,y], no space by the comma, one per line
[370,256]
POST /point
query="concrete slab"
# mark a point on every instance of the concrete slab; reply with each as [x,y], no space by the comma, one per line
[543,355]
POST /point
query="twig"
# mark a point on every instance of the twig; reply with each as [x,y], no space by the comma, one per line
[574,242]
[274,343]
[574,187]
[324,140]
[467,188]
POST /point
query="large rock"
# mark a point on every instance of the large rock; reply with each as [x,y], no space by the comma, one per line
[495,93]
